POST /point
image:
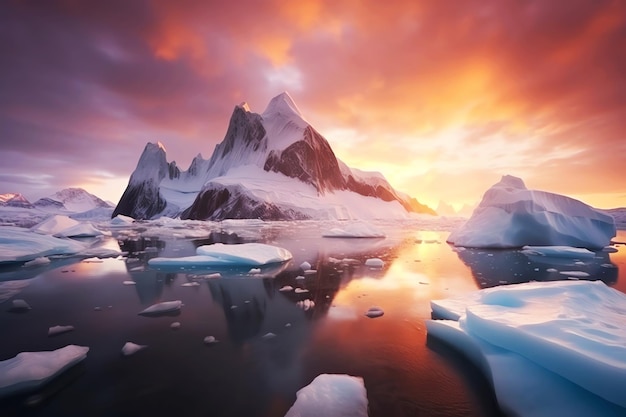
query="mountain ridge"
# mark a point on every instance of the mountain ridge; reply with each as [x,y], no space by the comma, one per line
[280,141]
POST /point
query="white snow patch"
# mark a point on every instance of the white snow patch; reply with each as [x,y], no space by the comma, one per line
[29,370]
[306,305]
[331,395]
[209,340]
[218,254]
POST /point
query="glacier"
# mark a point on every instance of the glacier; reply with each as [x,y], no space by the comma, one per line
[512,216]
[564,341]
[271,166]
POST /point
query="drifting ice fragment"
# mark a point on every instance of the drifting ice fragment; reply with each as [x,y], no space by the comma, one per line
[305,266]
[175,325]
[331,396]
[131,348]
[191,284]
[129,283]
[218,254]
[374,312]
[209,340]
[577,274]
[162,308]
[286,288]
[42,260]
[55,330]
[19,305]
[29,370]
[375,263]
[269,335]
[558,251]
[306,305]
[300,290]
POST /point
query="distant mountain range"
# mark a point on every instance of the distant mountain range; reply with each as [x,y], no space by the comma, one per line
[75,200]
[272,166]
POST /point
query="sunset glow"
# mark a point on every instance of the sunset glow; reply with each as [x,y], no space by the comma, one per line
[441,97]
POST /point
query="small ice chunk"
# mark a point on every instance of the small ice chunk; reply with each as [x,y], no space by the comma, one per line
[162,308]
[310,272]
[306,305]
[286,288]
[19,305]
[577,274]
[209,340]
[191,284]
[269,335]
[300,290]
[558,251]
[355,230]
[331,396]
[609,249]
[129,283]
[299,277]
[42,260]
[131,348]
[551,270]
[374,312]
[55,330]
[97,308]
[305,266]
[29,370]
[254,271]
[375,263]
[175,325]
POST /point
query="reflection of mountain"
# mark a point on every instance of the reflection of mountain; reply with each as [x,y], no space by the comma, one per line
[495,267]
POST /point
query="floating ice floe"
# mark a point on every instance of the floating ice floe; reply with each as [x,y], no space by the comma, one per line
[19,245]
[42,260]
[306,305]
[19,305]
[558,251]
[55,330]
[577,274]
[331,395]
[30,370]
[565,342]
[100,252]
[54,224]
[162,308]
[175,325]
[355,230]
[218,254]
[305,266]
[79,230]
[131,348]
[374,312]
[209,340]
[375,263]
[285,288]
[512,216]
[191,284]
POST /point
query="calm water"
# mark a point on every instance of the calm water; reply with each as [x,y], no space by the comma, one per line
[245,374]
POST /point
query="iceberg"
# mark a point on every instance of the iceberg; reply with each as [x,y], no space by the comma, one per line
[331,395]
[54,224]
[29,370]
[79,230]
[20,245]
[570,332]
[219,254]
[512,216]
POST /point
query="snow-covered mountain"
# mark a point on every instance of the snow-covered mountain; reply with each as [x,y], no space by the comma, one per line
[14,200]
[76,200]
[272,166]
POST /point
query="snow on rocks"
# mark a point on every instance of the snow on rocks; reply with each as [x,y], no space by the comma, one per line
[331,395]
[355,230]
[374,312]
[567,339]
[268,336]
[558,251]
[375,263]
[218,254]
[300,290]
[131,348]
[191,284]
[511,216]
[19,245]
[162,308]
[56,330]
[29,370]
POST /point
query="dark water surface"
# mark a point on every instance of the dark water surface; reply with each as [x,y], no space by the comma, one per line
[247,374]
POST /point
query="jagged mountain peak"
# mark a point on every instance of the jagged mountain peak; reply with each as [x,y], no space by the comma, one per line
[14,200]
[244,106]
[283,105]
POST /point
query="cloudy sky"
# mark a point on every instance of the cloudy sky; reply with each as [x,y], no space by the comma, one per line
[442,96]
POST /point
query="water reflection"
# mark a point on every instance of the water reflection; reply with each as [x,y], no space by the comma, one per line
[497,267]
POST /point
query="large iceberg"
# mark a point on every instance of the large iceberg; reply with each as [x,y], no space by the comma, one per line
[29,370]
[331,396]
[564,341]
[512,216]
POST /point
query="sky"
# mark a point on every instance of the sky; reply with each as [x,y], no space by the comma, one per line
[443,97]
